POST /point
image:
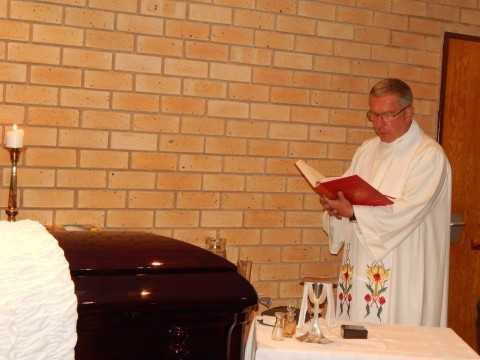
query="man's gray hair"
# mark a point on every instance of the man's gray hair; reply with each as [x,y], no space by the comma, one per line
[393,87]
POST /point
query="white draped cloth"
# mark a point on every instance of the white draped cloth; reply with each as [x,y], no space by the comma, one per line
[38,306]
[396,257]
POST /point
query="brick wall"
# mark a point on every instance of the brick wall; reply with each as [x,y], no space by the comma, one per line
[185,118]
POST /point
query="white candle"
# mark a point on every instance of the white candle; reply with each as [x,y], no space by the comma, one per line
[14,137]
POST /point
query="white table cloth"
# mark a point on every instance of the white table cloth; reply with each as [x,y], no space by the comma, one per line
[384,342]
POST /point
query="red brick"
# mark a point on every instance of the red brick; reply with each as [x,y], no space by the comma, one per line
[101,199]
[391,21]
[48,198]
[181,143]
[369,68]
[10,72]
[312,80]
[293,60]
[159,46]
[248,92]
[271,76]
[115,5]
[135,102]
[270,112]
[295,24]
[329,99]
[177,218]
[204,88]
[281,6]
[29,53]
[390,54]
[130,218]
[89,18]
[209,13]
[307,149]
[229,109]
[354,16]
[99,159]
[198,200]
[50,157]
[84,98]
[29,10]
[251,55]
[244,164]
[247,128]
[407,40]
[183,105]
[206,51]
[131,180]
[50,75]
[314,45]
[232,35]
[289,95]
[470,17]
[202,163]
[153,161]
[58,35]
[14,30]
[87,59]
[52,116]
[267,148]
[157,84]
[105,120]
[270,39]
[109,40]
[187,29]
[108,80]
[138,63]
[372,35]
[332,64]
[316,10]
[288,131]
[139,24]
[11,112]
[426,26]
[264,218]
[177,181]
[133,141]
[223,218]
[202,125]
[156,123]
[228,146]
[164,8]
[187,68]
[409,7]
[254,19]
[81,178]
[30,177]
[30,94]
[241,201]
[79,138]
[150,199]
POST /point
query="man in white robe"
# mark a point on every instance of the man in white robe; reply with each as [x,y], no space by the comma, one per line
[396,257]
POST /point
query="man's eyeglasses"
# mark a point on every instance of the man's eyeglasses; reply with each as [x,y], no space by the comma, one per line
[387,116]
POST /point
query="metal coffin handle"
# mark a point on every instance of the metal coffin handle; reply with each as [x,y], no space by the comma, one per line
[457,223]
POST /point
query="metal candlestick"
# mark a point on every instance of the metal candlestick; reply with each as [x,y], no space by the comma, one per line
[12,209]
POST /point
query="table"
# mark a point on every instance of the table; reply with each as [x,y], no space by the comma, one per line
[399,342]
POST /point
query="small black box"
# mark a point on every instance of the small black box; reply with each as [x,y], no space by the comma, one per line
[354,332]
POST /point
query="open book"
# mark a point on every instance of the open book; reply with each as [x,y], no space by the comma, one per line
[354,188]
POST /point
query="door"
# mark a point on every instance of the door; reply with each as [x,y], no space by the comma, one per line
[459,134]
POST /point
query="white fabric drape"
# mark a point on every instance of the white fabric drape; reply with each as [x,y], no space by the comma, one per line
[407,242]
[38,306]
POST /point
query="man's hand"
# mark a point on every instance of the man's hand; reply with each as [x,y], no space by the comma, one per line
[338,208]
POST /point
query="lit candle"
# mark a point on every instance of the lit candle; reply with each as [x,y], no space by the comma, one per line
[14,137]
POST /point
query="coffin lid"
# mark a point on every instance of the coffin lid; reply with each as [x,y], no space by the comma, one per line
[127,252]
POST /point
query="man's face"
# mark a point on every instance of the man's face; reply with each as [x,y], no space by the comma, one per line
[389,119]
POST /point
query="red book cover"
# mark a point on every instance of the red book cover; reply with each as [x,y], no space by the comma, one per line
[355,189]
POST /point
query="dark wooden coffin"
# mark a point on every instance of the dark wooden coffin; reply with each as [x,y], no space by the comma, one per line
[144,296]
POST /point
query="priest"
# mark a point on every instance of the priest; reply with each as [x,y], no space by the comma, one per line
[395,257]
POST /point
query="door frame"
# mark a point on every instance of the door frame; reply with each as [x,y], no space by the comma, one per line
[443,89]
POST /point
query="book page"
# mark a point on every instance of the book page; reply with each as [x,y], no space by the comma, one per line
[312,175]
